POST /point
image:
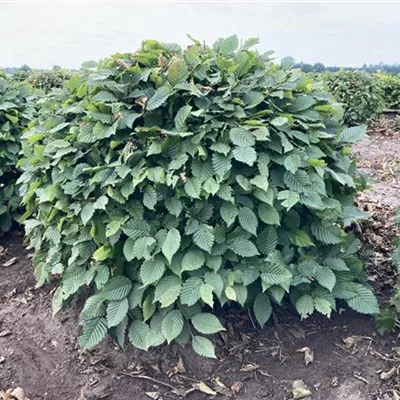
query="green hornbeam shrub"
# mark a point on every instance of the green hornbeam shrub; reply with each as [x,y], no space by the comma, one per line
[48,80]
[176,181]
[359,92]
[16,110]
[390,85]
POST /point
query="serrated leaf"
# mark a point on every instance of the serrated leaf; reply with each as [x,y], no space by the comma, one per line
[177,72]
[116,288]
[159,97]
[149,197]
[248,220]
[289,198]
[305,306]
[262,308]
[246,155]
[327,234]
[152,270]
[363,300]
[167,290]
[244,247]
[172,325]
[181,117]
[87,213]
[193,188]
[190,292]
[323,306]
[174,206]
[353,134]
[276,274]
[138,333]
[229,45]
[139,248]
[228,212]
[241,137]
[171,244]
[94,331]
[221,164]
[300,238]
[204,238]
[267,240]
[207,323]
[116,311]
[192,260]
[326,278]
[268,214]
[203,346]
[206,294]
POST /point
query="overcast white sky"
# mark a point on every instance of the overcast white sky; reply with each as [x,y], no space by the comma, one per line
[44,34]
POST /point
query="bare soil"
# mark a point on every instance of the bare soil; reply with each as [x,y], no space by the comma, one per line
[351,361]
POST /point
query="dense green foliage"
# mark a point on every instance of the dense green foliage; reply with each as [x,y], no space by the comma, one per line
[359,92]
[48,80]
[390,85]
[172,182]
[319,67]
[16,110]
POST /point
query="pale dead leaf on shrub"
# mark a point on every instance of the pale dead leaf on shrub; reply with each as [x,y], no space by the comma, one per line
[249,368]
[308,354]
[202,387]
[387,375]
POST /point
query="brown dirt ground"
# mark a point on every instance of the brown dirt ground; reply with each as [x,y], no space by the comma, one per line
[39,353]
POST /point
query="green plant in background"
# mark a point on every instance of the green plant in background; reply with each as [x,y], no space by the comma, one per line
[359,92]
[173,182]
[16,110]
[390,85]
[48,80]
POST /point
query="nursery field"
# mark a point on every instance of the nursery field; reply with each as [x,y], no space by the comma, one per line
[199,223]
[340,358]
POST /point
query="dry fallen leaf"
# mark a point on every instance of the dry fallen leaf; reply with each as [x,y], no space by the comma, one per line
[154,395]
[202,387]
[10,262]
[249,368]
[297,332]
[2,359]
[387,375]
[308,354]
[334,381]
[14,394]
[6,332]
[220,388]
[178,368]
[236,387]
[300,390]
[396,395]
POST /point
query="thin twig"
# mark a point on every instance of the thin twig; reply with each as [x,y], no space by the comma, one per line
[360,378]
[140,376]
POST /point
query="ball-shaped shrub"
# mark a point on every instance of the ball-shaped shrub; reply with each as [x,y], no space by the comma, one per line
[390,85]
[16,110]
[359,92]
[172,182]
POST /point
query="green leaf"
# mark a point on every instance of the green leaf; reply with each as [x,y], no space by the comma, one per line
[149,197]
[138,333]
[203,346]
[262,308]
[167,290]
[353,134]
[267,240]
[323,306]
[326,278]
[193,188]
[246,155]
[228,212]
[268,214]
[152,270]
[192,260]
[136,228]
[116,312]
[244,248]
[116,288]
[181,117]
[87,213]
[364,300]
[248,220]
[326,233]
[300,238]
[159,97]
[177,72]
[207,323]
[275,274]
[190,292]
[172,325]
[204,238]
[260,182]
[305,306]
[174,206]
[351,214]
[289,198]
[241,137]
[94,331]
[229,45]
[171,244]
[206,294]
[221,164]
